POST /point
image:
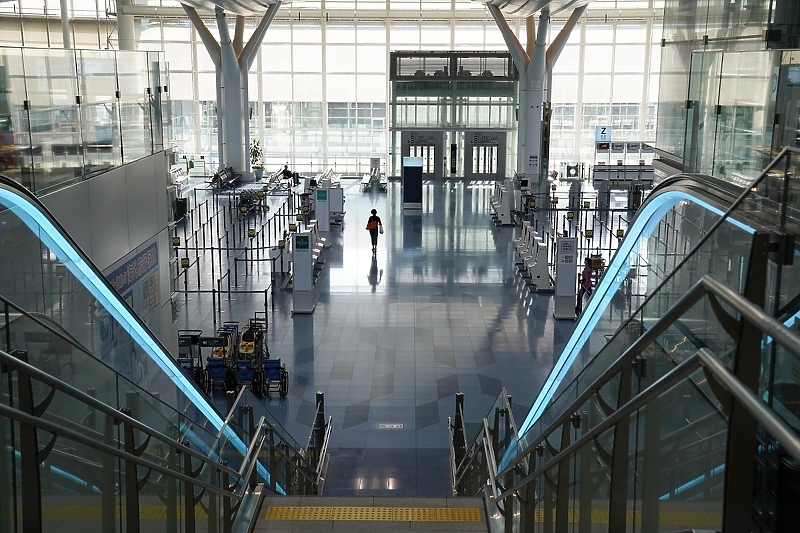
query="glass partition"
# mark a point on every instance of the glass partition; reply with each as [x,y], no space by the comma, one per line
[68,115]
[97,80]
[53,117]
[134,105]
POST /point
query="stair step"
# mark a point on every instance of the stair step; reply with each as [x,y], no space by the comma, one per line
[307,514]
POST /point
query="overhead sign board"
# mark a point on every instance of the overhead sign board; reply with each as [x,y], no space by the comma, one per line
[602,134]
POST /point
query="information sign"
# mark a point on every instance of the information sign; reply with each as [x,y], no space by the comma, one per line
[176,241]
[301,242]
[602,133]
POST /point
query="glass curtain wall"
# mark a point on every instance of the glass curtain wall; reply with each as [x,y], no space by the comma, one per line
[319,88]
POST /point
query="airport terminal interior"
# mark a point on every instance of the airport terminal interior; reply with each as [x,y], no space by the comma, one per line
[433,265]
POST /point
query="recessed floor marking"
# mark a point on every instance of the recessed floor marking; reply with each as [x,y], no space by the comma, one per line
[392,514]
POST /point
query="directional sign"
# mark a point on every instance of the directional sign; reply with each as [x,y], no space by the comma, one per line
[602,133]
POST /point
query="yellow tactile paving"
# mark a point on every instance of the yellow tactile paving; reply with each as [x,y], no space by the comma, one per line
[392,514]
[438,514]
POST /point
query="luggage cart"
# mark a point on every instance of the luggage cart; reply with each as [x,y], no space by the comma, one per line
[252,353]
[219,372]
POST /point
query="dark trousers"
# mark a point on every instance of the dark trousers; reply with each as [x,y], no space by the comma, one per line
[373,234]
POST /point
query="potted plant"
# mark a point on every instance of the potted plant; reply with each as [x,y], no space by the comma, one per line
[255,158]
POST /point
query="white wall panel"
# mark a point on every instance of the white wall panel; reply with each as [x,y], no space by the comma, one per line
[70,207]
[141,208]
[108,211]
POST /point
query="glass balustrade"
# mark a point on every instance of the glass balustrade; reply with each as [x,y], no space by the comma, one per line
[67,115]
[675,446]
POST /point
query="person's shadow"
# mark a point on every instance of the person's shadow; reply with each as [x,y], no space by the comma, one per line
[374,276]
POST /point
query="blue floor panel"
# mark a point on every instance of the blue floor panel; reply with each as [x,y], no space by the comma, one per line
[438,310]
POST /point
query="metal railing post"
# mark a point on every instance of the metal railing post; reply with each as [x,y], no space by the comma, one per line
[188,494]
[109,487]
[227,518]
[131,481]
[29,461]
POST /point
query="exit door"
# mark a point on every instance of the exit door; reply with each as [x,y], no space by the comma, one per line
[427,153]
[484,159]
[427,145]
[485,155]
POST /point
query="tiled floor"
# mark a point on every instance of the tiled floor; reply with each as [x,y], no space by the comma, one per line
[438,310]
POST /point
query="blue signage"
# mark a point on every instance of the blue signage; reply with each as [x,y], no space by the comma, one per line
[134,269]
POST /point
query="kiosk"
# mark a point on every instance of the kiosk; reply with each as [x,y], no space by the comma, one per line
[566,276]
[303,273]
[412,183]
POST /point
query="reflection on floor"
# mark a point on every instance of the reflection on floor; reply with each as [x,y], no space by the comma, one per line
[439,310]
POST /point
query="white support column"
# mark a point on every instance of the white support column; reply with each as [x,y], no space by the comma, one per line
[557,46]
[232,62]
[65,24]
[231,97]
[126,39]
[533,114]
[521,60]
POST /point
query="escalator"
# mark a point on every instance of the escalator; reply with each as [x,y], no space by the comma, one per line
[97,415]
[655,420]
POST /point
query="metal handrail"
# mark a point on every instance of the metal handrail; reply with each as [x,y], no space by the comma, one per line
[324,448]
[706,285]
[503,396]
[95,444]
[63,334]
[706,359]
[66,336]
[69,390]
[734,205]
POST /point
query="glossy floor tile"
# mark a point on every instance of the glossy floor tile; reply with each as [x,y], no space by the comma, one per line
[439,309]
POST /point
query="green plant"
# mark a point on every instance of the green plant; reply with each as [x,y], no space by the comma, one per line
[256,153]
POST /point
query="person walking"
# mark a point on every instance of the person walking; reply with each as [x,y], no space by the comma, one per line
[585,286]
[374,226]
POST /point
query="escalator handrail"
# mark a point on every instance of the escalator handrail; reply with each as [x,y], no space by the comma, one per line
[66,336]
[56,429]
[728,212]
[33,199]
[117,415]
[37,317]
[704,358]
[704,287]
[724,217]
